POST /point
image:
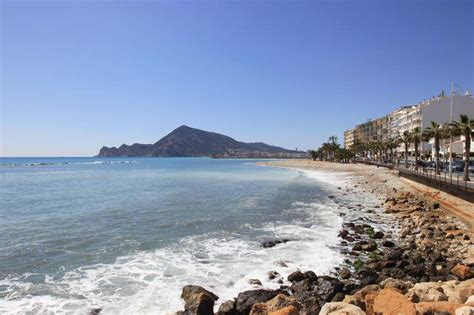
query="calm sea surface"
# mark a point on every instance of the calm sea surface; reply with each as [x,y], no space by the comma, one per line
[125,234]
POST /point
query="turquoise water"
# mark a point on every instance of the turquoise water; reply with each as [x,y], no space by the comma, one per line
[125,234]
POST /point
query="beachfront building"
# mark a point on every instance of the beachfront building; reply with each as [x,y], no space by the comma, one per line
[409,117]
[349,138]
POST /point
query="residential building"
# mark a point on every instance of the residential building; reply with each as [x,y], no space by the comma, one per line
[349,138]
[408,117]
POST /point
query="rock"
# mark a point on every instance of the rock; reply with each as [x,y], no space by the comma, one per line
[470,301]
[378,235]
[391,283]
[198,300]
[426,292]
[280,304]
[338,308]
[271,243]
[442,307]
[339,297]
[246,299]
[457,291]
[302,287]
[392,302]
[345,273]
[465,310]
[369,247]
[296,276]
[389,244]
[289,310]
[463,272]
[255,282]
[227,308]
[327,288]
[310,275]
[273,274]
[95,311]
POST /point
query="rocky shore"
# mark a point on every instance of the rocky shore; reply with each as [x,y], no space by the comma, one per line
[422,264]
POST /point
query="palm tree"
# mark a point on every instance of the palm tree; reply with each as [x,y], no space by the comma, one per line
[465,126]
[416,139]
[392,144]
[406,139]
[437,132]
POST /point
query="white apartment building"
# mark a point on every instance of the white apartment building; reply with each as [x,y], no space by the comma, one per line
[407,118]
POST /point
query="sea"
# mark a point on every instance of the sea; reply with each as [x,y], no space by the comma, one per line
[124,235]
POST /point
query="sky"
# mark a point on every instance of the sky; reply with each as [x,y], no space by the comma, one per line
[79,75]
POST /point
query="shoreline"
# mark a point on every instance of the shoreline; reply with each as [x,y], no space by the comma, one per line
[425,250]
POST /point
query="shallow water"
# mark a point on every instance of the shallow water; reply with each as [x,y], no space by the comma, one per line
[125,234]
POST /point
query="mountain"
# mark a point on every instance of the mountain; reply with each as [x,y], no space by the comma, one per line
[185,141]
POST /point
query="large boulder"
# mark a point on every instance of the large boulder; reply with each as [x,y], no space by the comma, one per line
[338,308]
[227,308]
[426,292]
[401,285]
[442,307]
[198,301]
[281,303]
[245,300]
[392,302]
[463,272]
[465,310]
[457,291]
[296,276]
[327,287]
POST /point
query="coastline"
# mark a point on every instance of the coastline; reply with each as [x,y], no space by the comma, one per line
[420,262]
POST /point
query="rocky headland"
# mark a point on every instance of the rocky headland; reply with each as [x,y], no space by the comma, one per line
[422,263]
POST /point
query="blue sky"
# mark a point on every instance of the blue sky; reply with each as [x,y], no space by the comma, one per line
[77,75]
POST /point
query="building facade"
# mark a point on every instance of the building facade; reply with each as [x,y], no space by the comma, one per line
[349,136]
[408,117]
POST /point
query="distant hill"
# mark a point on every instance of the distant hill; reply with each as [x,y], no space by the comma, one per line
[185,141]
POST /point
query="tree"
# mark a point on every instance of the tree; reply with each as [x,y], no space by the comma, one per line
[416,139]
[437,132]
[406,139]
[392,144]
[465,126]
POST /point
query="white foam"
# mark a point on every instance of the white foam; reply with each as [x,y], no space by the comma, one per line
[151,282]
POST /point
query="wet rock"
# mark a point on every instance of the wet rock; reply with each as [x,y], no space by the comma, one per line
[367,276]
[390,301]
[337,308]
[255,282]
[338,297]
[198,301]
[378,235]
[273,274]
[463,272]
[296,276]
[369,247]
[227,308]
[310,275]
[327,287]
[345,273]
[300,287]
[272,243]
[246,299]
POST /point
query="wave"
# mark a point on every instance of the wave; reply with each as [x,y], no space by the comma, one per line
[151,282]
